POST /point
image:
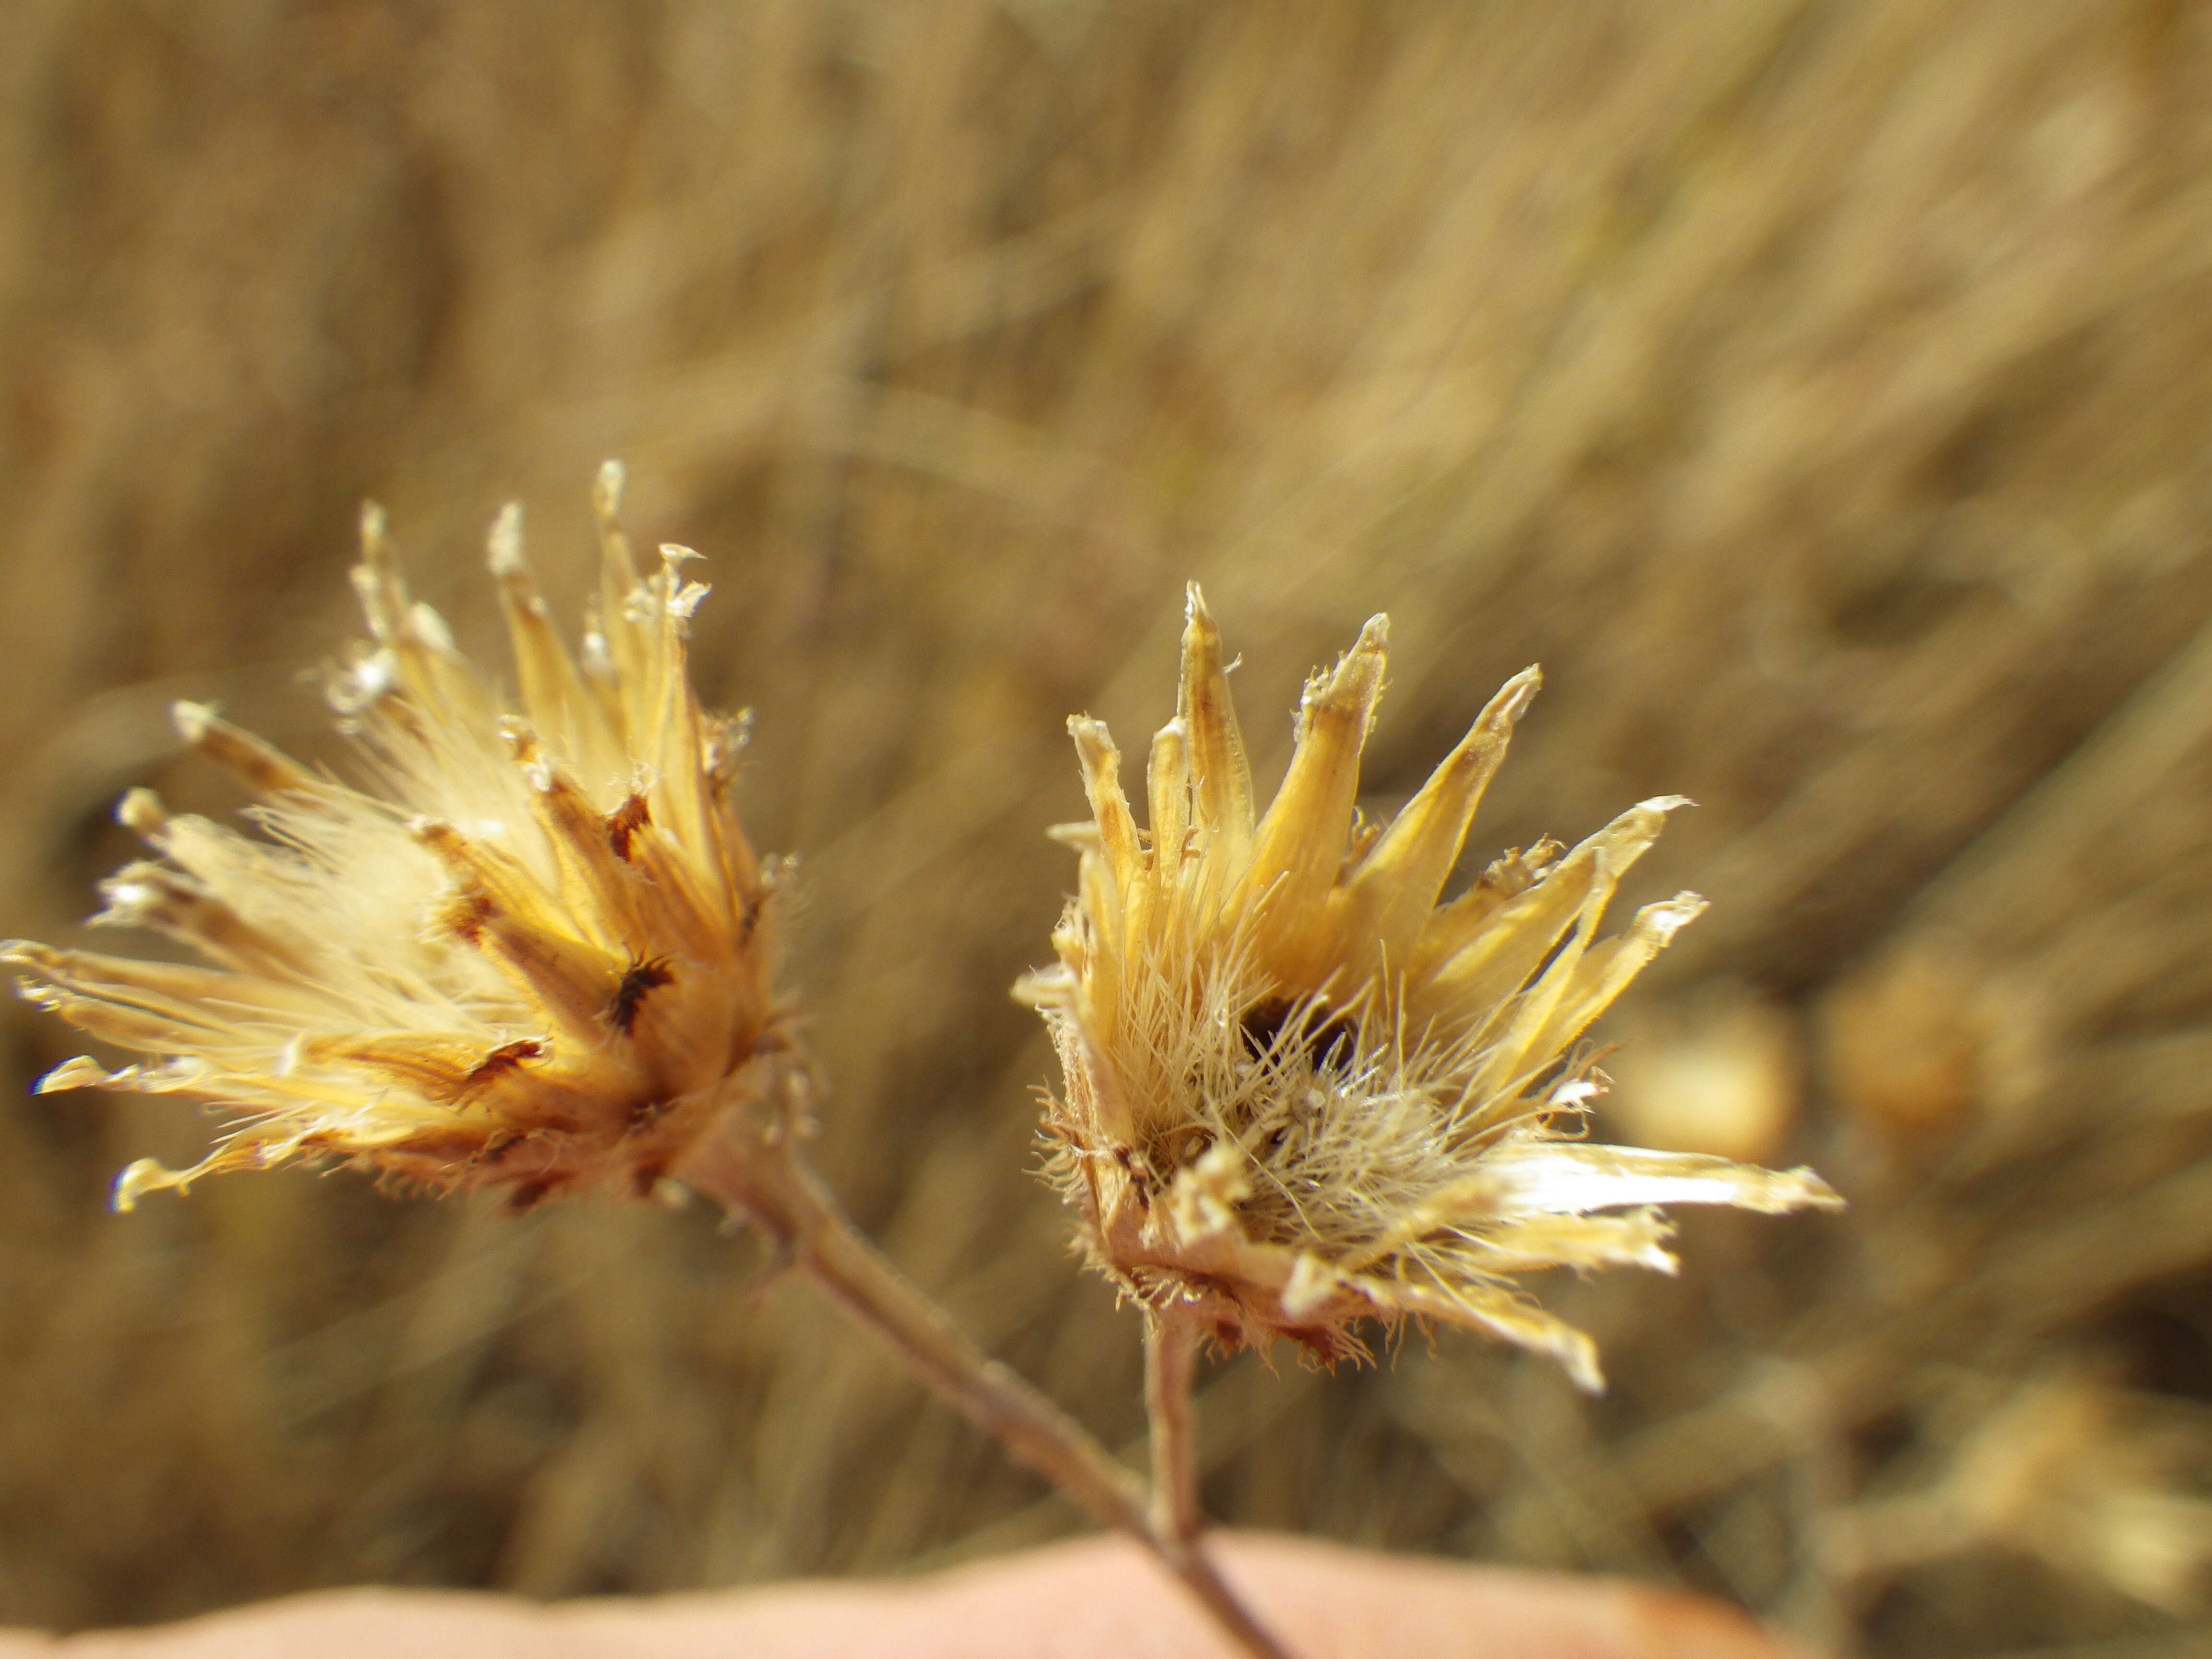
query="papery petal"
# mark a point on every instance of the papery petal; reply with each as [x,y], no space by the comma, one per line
[1534,1176]
[1495,1310]
[1299,846]
[553,699]
[1376,916]
[1482,972]
[1168,789]
[261,766]
[1534,1243]
[1221,778]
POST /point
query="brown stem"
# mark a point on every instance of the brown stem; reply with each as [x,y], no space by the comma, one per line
[762,1177]
[1171,1359]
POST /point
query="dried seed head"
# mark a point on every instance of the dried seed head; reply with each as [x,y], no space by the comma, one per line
[1926,1040]
[537,957]
[1721,1072]
[1298,1092]
[2065,1468]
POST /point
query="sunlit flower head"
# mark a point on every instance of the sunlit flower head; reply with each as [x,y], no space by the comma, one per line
[1299,1092]
[533,953]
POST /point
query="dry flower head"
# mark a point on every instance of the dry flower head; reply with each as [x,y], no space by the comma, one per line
[2069,1469]
[537,955]
[1299,1092]
[1720,1071]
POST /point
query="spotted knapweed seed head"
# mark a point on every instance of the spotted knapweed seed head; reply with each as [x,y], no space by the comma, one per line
[1299,1092]
[534,953]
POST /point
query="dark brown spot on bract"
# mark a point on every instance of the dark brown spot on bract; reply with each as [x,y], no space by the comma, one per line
[507,1057]
[467,914]
[638,981]
[624,821]
[1139,1172]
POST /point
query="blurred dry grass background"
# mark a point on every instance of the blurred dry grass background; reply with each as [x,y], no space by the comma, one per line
[1821,389]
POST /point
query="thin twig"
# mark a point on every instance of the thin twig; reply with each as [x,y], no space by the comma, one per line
[1171,1360]
[763,1178]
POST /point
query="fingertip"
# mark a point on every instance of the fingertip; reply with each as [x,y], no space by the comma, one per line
[1674,1625]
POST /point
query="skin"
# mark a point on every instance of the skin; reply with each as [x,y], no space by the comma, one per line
[1086,1600]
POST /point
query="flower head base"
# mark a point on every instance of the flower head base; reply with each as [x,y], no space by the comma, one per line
[538,957]
[1299,1092]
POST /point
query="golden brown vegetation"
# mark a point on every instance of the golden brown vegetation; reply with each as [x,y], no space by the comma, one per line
[1816,389]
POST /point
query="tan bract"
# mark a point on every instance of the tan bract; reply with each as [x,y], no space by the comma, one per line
[537,955]
[1299,1092]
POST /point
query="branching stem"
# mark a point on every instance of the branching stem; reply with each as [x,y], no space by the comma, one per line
[761,1177]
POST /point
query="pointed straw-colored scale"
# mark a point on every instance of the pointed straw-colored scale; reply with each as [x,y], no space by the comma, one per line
[607,886]
[1167,801]
[1109,806]
[1103,963]
[682,913]
[1584,1243]
[618,582]
[654,700]
[1299,846]
[1510,944]
[1113,885]
[1505,879]
[83,1071]
[725,739]
[1512,1058]
[500,906]
[257,764]
[378,583]
[430,671]
[288,1123]
[636,701]
[1499,1312]
[1378,915]
[251,875]
[441,1067]
[149,1032]
[231,895]
[1221,777]
[151,984]
[497,878]
[1565,998]
[192,995]
[169,901]
[141,812]
[1608,969]
[1539,1176]
[454,1075]
[1055,989]
[132,1014]
[673,742]
[1477,1212]
[143,1176]
[598,887]
[553,696]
